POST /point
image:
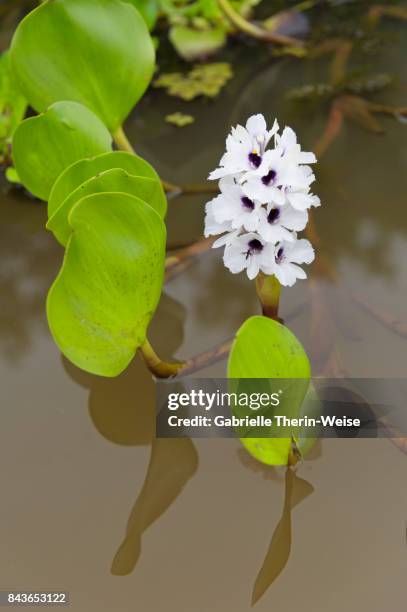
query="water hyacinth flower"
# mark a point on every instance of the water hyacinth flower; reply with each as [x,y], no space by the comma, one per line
[245,147]
[263,202]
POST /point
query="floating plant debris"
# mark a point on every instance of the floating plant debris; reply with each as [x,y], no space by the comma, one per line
[180,119]
[203,80]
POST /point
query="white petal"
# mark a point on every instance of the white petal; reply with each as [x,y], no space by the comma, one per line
[315,201]
[286,274]
[293,219]
[256,125]
[225,240]
[240,135]
[302,252]
[274,130]
[252,267]
[218,173]
[288,137]
[234,260]
[299,200]
[225,208]
[274,233]
[226,183]
[306,157]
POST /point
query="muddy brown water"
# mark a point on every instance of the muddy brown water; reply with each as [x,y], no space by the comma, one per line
[94,505]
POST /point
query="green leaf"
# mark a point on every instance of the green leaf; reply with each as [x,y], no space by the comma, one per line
[116,181]
[148,9]
[12,105]
[193,44]
[45,145]
[12,176]
[97,52]
[86,169]
[265,349]
[109,285]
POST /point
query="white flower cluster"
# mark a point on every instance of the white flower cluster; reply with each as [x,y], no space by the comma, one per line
[264,200]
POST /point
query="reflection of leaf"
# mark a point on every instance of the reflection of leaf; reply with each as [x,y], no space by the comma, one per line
[108,288]
[204,80]
[97,53]
[12,105]
[45,145]
[296,490]
[173,462]
[193,44]
[263,348]
[179,119]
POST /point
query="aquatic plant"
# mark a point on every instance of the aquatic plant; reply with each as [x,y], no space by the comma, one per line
[264,201]
[107,208]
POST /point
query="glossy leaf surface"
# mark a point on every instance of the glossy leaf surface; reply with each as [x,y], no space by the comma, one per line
[116,181]
[109,285]
[45,145]
[97,52]
[265,349]
[85,169]
[148,9]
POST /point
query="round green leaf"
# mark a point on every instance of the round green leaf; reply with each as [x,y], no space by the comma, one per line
[193,44]
[117,181]
[109,285]
[85,169]
[45,145]
[97,52]
[265,349]
[148,9]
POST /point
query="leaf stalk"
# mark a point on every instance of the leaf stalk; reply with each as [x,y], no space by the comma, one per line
[268,290]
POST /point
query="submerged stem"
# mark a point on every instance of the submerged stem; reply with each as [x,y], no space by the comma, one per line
[268,290]
[182,258]
[253,30]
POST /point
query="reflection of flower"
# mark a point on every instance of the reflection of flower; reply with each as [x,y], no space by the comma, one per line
[264,200]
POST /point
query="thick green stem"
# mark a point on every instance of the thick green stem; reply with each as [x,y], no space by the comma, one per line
[159,368]
[253,30]
[268,290]
[122,142]
[162,369]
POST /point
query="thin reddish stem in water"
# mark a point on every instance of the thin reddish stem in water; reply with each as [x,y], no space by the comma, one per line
[331,131]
